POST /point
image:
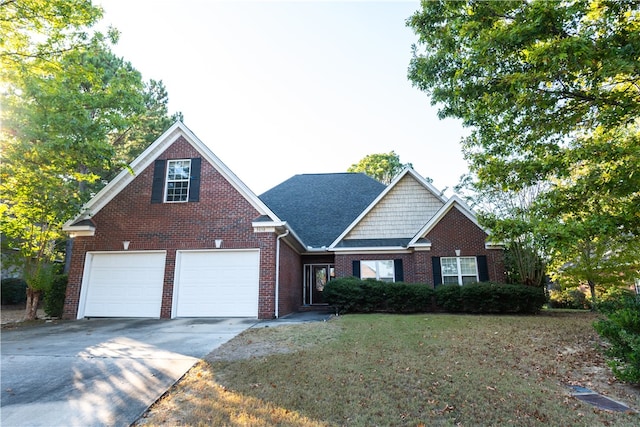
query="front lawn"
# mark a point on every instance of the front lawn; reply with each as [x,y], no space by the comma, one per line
[391,370]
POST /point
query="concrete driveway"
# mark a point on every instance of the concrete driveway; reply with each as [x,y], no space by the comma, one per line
[101,371]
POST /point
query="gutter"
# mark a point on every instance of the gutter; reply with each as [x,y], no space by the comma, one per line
[277,299]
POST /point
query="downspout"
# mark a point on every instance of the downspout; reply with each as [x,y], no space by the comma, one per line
[286,233]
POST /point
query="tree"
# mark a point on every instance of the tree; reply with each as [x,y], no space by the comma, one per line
[511,218]
[69,106]
[36,31]
[551,93]
[383,167]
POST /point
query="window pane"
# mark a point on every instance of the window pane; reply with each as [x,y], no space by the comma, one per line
[469,279]
[367,269]
[386,270]
[450,280]
[178,175]
[468,265]
[449,266]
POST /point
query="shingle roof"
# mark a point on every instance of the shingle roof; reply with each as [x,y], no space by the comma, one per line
[319,207]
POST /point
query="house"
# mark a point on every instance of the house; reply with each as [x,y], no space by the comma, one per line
[180,235]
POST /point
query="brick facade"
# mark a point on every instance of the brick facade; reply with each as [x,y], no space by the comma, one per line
[222,213]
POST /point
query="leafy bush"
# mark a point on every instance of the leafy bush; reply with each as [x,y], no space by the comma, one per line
[353,295]
[622,330]
[500,298]
[54,296]
[448,298]
[13,291]
[569,298]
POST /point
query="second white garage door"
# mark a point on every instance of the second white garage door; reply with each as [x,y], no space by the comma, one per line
[216,283]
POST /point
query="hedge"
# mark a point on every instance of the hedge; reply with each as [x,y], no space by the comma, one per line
[353,295]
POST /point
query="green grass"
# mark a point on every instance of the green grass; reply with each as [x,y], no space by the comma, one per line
[393,370]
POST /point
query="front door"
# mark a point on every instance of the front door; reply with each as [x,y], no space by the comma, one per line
[316,277]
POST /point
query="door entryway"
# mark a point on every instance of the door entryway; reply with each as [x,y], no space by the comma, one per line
[316,277]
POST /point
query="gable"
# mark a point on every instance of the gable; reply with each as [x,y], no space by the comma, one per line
[178,142]
[455,228]
[403,210]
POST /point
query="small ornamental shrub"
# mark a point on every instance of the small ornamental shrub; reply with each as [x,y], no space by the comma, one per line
[344,294]
[621,329]
[448,298]
[54,296]
[14,291]
[613,299]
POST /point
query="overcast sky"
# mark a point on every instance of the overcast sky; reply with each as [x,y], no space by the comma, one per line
[277,88]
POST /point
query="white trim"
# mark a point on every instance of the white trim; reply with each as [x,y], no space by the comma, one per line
[458,269]
[372,250]
[426,184]
[86,276]
[144,160]
[166,182]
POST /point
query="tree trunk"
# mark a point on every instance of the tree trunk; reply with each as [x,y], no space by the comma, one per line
[33,300]
[592,288]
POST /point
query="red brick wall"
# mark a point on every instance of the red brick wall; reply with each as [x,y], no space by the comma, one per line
[221,213]
[454,231]
[290,280]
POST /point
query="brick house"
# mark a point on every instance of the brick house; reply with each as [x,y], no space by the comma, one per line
[182,236]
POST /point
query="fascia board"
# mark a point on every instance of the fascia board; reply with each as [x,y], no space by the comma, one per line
[386,191]
[369,250]
[149,155]
[453,201]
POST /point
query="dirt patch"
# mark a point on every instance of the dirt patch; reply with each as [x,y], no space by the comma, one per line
[10,315]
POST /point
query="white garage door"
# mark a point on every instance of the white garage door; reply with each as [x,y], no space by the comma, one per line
[123,284]
[219,283]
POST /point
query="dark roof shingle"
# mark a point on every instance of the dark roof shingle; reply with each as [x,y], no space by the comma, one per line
[319,207]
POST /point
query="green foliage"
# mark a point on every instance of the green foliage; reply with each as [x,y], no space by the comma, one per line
[571,298]
[55,295]
[353,295]
[383,167]
[550,92]
[614,299]
[14,291]
[448,298]
[621,329]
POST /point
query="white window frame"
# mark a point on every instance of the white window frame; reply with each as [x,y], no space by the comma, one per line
[460,277]
[376,269]
[167,181]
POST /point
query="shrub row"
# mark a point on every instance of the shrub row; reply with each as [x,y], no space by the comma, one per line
[353,295]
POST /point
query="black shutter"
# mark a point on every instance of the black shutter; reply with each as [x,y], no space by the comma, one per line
[437,270]
[157,188]
[397,264]
[194,184]
[483,268]
[356,268]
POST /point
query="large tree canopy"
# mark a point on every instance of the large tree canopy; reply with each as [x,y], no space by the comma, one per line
[551,92]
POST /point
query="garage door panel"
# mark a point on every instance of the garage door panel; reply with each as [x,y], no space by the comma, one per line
[217,284]
[124,284]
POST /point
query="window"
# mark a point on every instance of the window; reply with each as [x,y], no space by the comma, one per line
[459,270]
[178,178]
[379,270]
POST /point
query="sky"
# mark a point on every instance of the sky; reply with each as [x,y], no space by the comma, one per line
[278,88]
